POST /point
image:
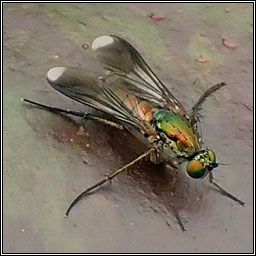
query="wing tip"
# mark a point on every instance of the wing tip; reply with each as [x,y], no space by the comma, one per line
[102,41]
[55,73]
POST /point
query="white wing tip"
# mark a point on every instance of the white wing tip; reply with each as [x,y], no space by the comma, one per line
[54,73]
[101,42]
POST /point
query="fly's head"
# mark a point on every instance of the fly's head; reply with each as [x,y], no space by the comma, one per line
[201,164]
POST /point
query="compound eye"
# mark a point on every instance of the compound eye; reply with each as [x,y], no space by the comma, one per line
[212,156]
[195,169]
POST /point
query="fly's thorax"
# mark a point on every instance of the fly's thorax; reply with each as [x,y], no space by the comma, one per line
[181,137]
[166,150]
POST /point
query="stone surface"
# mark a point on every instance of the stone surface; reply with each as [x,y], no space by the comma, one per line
[46,164]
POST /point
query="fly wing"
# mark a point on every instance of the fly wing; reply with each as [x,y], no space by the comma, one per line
[105,93]
[117,56]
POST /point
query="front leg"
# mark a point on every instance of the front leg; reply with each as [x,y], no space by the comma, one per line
[223,191]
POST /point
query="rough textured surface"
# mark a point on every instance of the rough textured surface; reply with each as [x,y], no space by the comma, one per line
[46,164]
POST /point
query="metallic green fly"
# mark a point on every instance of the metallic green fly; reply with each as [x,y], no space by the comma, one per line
[130,92]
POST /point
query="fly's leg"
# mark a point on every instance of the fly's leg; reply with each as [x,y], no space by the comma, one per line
[177,216]
[196,108]
[224,192]
[104,121]
[173,165]
[108,178]
[75,113]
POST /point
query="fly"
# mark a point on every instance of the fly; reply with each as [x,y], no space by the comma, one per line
[130,92]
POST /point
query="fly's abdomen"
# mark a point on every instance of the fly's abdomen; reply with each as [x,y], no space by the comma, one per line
[179,130]
[139,107]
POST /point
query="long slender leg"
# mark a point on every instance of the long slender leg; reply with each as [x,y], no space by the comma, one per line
[177,216]
[207,93]
[75,113]
[108,178]
[224,192]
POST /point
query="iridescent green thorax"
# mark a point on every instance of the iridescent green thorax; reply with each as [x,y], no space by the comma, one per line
[179,130]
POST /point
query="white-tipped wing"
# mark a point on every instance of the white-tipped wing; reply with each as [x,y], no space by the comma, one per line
[107,94]
[128,91]
[120,57]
